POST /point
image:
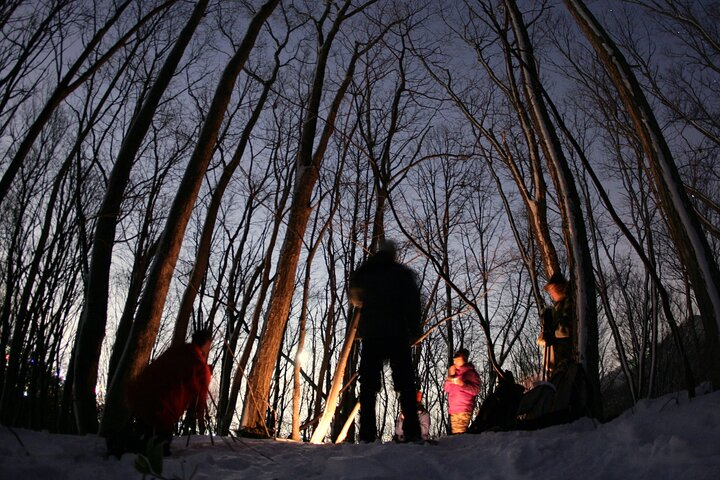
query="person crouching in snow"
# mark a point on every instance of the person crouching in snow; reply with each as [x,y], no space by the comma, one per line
[462,385]
[423,417]
[176,381]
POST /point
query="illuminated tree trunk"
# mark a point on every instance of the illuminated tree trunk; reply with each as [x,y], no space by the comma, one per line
[93,320]
[226,408]
[575,235]
[203,253]
[308,164]
[297,390]
[334,393]
[147,320]
[274,327]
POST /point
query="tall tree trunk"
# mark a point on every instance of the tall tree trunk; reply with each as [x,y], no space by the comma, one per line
[308,165]
[649,264]
[297,391]
[683,224]
[93,319]
[66,86]
[575,235]
[334,393]
[203,254]
[147,320]
[228,411]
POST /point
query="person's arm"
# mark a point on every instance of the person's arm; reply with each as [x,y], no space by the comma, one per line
[471,381]
[355,290]
[546,329]
[564,320]
[451,379]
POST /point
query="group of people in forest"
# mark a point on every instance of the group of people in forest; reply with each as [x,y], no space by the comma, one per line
[389,300]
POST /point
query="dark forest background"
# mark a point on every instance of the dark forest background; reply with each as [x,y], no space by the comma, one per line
[170,165]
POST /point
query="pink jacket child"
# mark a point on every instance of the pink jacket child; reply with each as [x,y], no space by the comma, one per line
[462,384]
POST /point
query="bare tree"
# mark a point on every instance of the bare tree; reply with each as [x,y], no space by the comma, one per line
[147,319]
[230,392]
[308,164]
[688,237]
[574,232]
[200,267]
[72,80]
[316,242]
[20,54]
[91,330]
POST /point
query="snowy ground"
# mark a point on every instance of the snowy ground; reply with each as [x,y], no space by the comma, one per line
[667,438]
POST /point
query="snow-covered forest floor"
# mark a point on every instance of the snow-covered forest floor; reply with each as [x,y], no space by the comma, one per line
[666,438]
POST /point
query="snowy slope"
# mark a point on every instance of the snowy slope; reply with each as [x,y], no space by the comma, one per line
[667,438]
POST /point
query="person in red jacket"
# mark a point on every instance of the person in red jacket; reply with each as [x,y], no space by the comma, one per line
[462,385]
[176,381]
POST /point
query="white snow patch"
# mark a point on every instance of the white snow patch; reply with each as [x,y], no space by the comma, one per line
[667,438]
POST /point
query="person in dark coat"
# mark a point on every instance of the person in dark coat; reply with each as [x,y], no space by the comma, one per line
[462,386]
[389,299]
[562,370]
[176,381]
[557,328]
[498,410]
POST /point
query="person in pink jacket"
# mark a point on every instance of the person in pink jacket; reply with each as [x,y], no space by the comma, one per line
[462,386]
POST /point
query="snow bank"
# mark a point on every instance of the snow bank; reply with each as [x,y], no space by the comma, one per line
[666,438]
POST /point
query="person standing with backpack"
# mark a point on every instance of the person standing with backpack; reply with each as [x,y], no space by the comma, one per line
[566,394]
[462,386]
[557,328]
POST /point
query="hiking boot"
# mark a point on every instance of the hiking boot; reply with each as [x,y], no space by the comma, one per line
[410,439]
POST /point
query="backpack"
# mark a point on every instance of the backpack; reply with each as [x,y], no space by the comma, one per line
[564,399]
[498,411]
[536,402]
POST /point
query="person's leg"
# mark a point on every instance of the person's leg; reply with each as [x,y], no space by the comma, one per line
[403,373]
[164,436]
[122,441]
[459,422]
[371,363]
[151,435]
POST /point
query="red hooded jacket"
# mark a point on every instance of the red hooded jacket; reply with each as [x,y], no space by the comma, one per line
[176,381]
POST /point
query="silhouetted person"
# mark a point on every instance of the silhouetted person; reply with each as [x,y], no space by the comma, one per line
[498,410]
[389,300]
